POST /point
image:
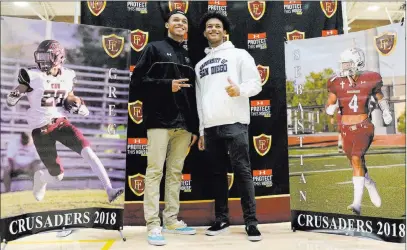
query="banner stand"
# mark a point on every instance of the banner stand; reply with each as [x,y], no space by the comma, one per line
[100,76]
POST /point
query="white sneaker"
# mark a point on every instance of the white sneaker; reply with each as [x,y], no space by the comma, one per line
[39,186]
[155,237]
[373,194]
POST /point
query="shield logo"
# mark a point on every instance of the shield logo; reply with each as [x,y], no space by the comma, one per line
[138,39]
[264,72]
[262,144]
[136,111]
[113,44]
[231,177]
[136,184]
[178,5]
[385,43]
[329,7]
[96,7]
[256,9]
[295,35]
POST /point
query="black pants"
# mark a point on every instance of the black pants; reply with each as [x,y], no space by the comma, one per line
[220,140]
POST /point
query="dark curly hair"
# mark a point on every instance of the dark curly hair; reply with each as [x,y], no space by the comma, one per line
[218,15]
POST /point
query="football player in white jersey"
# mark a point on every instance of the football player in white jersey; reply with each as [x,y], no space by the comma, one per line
[47,87]
[22,158]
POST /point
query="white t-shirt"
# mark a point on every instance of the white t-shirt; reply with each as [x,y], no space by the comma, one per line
[46,98]
[22,155]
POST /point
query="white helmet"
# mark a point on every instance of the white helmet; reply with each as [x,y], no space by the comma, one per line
[351,61]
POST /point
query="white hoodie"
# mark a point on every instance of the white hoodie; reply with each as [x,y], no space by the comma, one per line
[215,106]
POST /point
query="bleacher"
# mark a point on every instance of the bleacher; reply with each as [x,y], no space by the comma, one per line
[93,87]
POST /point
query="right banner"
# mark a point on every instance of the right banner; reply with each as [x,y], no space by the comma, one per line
[346,99]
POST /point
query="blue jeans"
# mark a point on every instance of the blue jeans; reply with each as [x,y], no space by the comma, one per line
[232,138]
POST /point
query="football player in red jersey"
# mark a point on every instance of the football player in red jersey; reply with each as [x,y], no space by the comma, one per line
[47,86]
[353,88]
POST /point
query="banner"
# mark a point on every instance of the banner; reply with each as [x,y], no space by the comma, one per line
[84,148]
[323,148]
[260,27]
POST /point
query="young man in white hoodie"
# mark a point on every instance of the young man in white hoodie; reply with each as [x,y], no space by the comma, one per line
[225,79]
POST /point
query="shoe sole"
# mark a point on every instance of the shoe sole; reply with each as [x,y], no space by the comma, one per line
[157,243]
[254,238]
[179,232]
[214,233]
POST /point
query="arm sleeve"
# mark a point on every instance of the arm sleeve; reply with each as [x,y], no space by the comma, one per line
[74,80]
[377,84]
[251,81]
[331,86]
[199,106]
[140,75]
[24,79]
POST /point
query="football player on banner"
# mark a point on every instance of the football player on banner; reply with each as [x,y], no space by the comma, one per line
[353,89]
[49,89]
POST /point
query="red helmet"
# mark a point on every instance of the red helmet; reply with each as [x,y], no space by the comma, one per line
[49,54]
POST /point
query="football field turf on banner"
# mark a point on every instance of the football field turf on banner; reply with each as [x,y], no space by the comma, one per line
[329,181]
[13,203]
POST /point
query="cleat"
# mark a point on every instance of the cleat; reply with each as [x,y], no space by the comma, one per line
[354,209]
[373,194]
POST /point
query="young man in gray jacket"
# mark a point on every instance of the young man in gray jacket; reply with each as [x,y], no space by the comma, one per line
[225,79]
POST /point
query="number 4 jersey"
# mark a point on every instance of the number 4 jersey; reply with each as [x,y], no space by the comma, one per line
[354,97]
[47,94]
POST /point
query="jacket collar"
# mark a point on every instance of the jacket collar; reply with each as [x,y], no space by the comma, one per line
[173,42]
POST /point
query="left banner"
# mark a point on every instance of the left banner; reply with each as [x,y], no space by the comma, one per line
[64,94]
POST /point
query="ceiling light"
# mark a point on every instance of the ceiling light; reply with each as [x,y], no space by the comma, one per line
[373,8]
[21,4]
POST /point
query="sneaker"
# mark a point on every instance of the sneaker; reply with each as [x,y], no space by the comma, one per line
[155,237]
[253,234]
[39,186]
[179,227]
[354,209]
[217,228]
[114,193]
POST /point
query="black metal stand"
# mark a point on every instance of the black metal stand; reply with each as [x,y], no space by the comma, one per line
[121,234]
[64,232]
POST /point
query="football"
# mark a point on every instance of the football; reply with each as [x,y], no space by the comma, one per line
[72,101]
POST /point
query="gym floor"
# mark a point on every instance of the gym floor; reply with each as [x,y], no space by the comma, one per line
[275,236]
